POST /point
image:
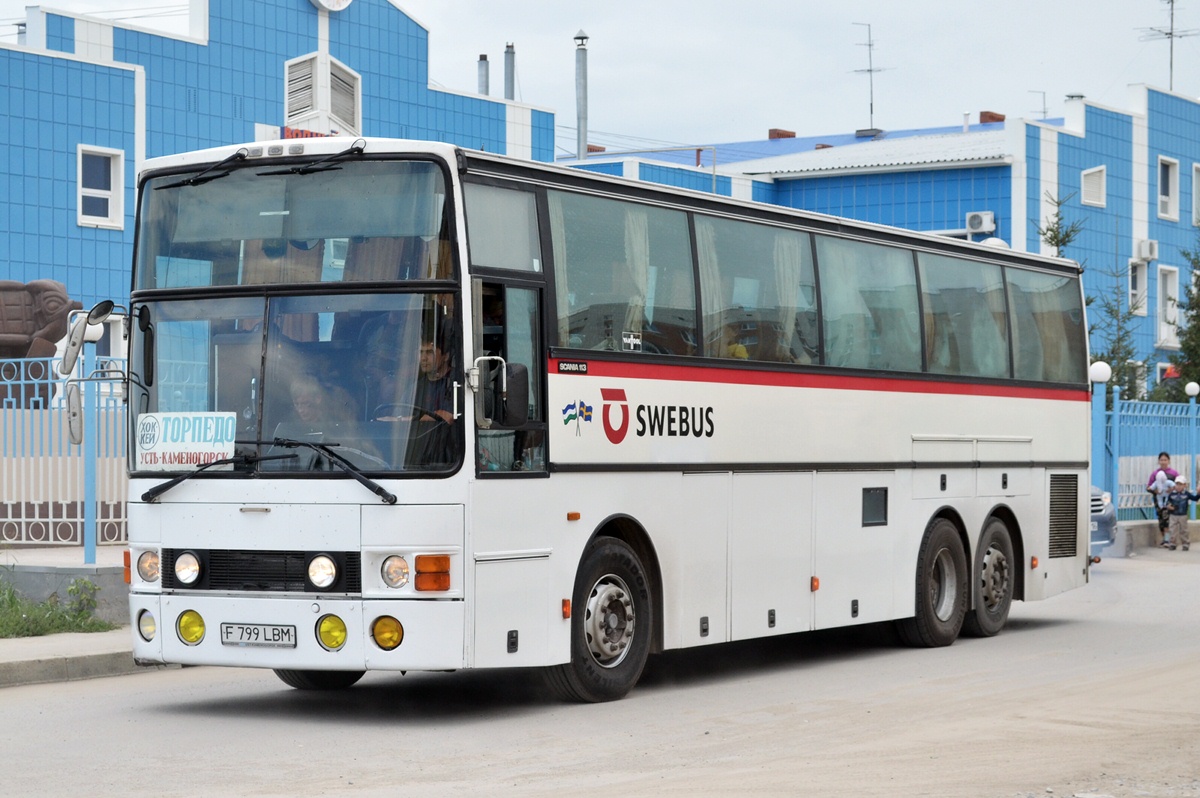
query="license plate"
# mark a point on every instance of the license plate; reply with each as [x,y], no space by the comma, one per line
[258,634]
[1095,526]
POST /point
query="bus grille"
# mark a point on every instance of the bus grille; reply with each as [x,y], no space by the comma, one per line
[1064,515]
[261,571]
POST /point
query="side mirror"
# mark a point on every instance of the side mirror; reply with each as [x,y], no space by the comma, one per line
[513,406]
[78,334]
[74,412]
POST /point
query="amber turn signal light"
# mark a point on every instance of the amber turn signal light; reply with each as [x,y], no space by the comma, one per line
[433,572]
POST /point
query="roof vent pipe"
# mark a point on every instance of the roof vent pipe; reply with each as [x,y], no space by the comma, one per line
[966,121]
[510,71]
[483,74]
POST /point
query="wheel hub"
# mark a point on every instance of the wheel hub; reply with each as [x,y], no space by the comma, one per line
[994,578]
[609,621]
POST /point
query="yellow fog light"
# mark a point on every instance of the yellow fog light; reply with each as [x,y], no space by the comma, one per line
[331,632]
[148,566]
[190,627]
[395,571]
[387,632]
[147,626]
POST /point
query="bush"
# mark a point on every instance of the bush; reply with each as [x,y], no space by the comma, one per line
[20,617]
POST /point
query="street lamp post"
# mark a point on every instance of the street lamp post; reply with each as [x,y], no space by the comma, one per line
[581,40]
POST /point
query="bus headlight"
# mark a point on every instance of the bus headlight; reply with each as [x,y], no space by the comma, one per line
[148,566]
[190,627]
[322,571]
[147,626]
[395,571]
[331,632]
[187,568]
[387,632]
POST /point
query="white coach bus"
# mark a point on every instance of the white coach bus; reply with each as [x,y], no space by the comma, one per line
[399,406]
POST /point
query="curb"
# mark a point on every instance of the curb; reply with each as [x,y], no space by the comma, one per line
[68,657]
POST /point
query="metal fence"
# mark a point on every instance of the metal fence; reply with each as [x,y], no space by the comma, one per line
[1126,441]
[53,492]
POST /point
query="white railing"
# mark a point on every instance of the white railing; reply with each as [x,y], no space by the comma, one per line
[51,492]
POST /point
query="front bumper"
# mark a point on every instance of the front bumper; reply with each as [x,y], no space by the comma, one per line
[433,632]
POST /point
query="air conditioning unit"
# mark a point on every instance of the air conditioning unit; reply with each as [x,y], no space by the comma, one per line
[981,222]
[1146,250]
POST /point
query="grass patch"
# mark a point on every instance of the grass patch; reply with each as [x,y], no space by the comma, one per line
[20,617]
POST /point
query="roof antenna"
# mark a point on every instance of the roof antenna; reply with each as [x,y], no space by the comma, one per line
[870,70]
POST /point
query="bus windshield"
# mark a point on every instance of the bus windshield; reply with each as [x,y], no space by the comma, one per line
[373,375]
[253,225]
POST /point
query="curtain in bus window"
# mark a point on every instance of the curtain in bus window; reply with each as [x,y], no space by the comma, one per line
[558,245]
[797,340]
[1049,341]
[869,305]
[710,286]
[637,257]
[966,329]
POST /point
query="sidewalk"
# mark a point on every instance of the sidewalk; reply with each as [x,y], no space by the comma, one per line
[65,657]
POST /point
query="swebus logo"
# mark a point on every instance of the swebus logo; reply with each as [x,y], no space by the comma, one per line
[655,421]
[615,397]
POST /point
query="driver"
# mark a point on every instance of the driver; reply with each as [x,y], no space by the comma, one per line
[435,389]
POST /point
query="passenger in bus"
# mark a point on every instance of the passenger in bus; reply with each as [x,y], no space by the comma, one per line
[731,347]
[321,405]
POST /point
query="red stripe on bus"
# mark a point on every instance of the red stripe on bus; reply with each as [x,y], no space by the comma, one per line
[787,379]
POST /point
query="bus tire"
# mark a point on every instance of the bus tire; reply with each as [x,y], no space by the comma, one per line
[612,624]
[994,579]
[942,589]
[319,680]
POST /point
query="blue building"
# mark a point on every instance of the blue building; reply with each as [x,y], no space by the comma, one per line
[85,101]
[1129,177]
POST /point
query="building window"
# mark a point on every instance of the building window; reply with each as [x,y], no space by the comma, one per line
[322,95]
[1168,306]
[1137,287]
[1168,188]
[1196,195]
[100,178]
[1095,187]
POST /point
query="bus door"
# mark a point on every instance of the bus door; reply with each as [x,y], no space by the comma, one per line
[510,514]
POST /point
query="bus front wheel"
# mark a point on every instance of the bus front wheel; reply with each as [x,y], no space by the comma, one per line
[942,591]
[993,582]
[612,624]
[318,680]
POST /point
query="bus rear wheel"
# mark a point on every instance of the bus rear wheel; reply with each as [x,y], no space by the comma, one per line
[319,680]
[942,591]
[612,624]
[993,582]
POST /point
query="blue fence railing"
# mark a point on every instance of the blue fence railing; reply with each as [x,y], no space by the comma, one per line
[1126,442]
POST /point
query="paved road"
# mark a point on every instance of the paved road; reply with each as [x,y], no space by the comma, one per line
[1090,693]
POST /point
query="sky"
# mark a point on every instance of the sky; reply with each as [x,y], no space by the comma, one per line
[685,72]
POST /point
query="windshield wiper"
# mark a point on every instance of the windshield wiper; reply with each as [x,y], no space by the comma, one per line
[339,461]
[322,164]
[237,459]
[204,177]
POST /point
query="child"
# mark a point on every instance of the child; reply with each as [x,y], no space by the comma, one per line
[1178,501]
